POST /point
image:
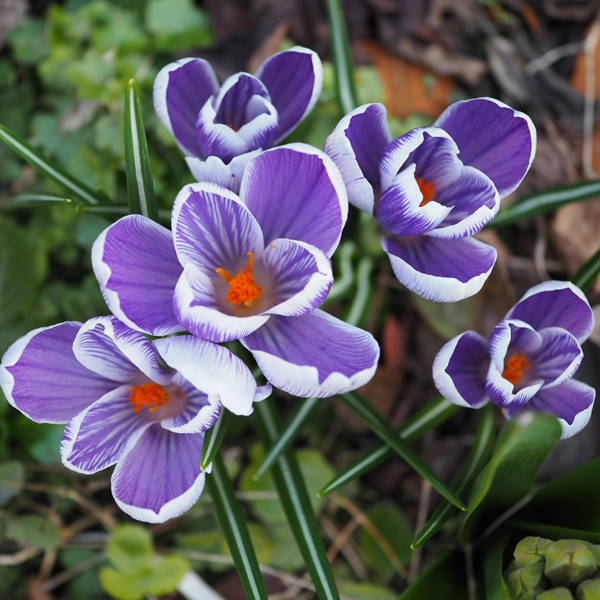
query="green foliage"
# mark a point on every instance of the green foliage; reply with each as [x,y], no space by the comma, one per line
[365,591]
[33,531]
[138,570]
[12,476]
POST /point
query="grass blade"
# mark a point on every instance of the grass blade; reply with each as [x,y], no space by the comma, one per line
[341,286]
[544,202]
[588,273]
[381,427]
[480,452]
[364,290]
[37,160]
[303,412]
[214,437]
[342,57]
[140,188]
[34,201]
[233,523]
[296,504]
[425,420]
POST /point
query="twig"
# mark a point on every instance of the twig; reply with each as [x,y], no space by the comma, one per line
[332,531]
[590,96]
[67,575]
[341,538]
[415,563]
[550,57]
[12,560]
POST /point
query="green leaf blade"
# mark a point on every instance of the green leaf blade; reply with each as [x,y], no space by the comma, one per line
[214,437]
[140,188]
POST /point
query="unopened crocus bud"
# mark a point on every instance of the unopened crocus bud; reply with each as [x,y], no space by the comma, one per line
[531,550]
[589,590]
[560,593]
[569,561]
[524,580]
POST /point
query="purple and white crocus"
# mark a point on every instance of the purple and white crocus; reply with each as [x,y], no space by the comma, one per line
[431,189]
[253,268]
[529,361]
[219,129]
[125,404]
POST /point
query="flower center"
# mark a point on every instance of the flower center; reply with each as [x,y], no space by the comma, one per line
[515,366]
[242,289]
[427,189]
[151,395]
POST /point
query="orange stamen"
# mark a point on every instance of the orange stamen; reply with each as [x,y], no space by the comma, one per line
[242,289]
[427,189]
[515,366]
[151,395]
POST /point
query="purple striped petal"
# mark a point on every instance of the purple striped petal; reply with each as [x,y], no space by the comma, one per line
[557,359]
[356,146]
[213,229]
[460,368]
[294,79]
[571,402]
[493,138]
[199,411]
[213,370]
[199,306]
[301,277]
[314,355]
[305,198]
[160,477]
[136,266]
[110,348]
[440,270]
[41,377]
[231,103]
[180,91]
[104,433]
[214,170]
[556,304]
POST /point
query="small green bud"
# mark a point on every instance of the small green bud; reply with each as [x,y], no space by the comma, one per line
[531,550]
[595,549]
[589,590]
[560,593]
[524,580]
[569,561]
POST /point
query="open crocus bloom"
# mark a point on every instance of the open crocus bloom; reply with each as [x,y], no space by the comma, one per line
[434,187]
[123,405]
[253,268]
[529,361]
[221,129]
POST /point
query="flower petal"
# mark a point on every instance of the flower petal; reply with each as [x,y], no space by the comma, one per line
[356,146]
[160,478]
[556,304]
[199,412]
[314,355]
[41,377]
[212,369]
[294,79]
[213,229]
[180,91]
[571,402]
[104,433]
[440,270]
[198,309]
[493,138]
[231,103]
[459,370]
[136,266]
[110,348]
[296,192]
[301,277]
[214,170]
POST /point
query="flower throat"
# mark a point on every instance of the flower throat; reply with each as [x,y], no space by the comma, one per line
[242,289]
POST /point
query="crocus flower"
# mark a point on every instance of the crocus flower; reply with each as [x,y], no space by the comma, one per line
[124,406]
[529,360]
[220,128]
[431,189]
[253,268]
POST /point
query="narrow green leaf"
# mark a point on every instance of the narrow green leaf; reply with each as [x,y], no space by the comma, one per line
[493,552]
[554,532]
[482,447]
[342,57]
[42,164]
[364,288]
[34,201]
[233,523]
[214,437]
[544,202]
[343,283]
[120,211]
[588,273]
[297,506]
[381,427]
[304,410]
[426,419]
[140,188]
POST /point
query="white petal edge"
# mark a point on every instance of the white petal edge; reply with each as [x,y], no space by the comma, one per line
[214,170]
